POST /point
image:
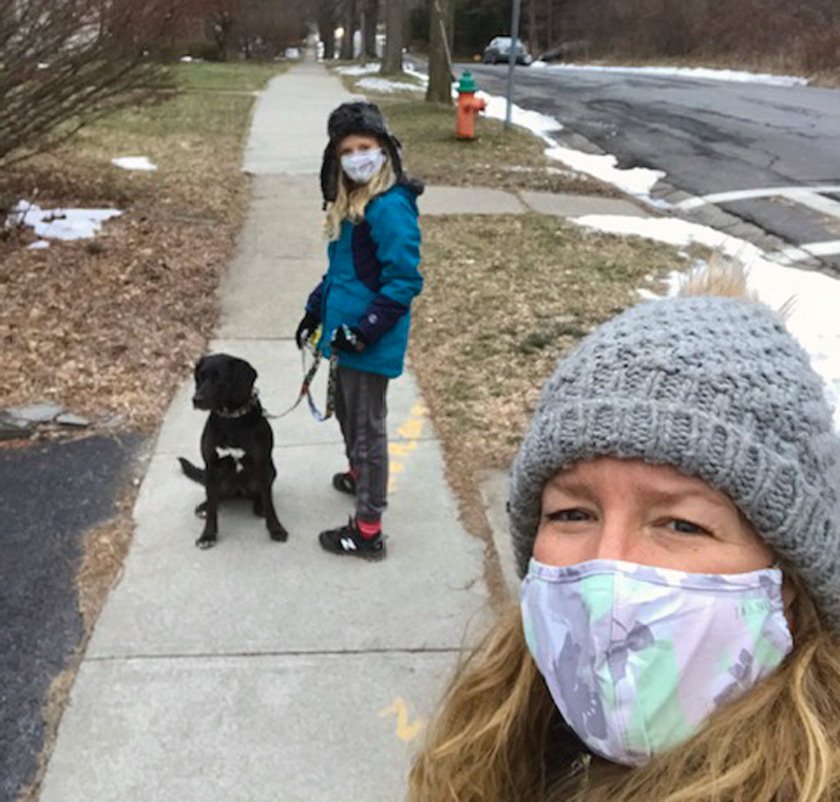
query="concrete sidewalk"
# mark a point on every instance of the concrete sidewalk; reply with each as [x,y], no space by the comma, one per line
[259,670]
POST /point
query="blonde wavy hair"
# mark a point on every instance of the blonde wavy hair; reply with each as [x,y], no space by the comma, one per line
[499,737]
[349,204]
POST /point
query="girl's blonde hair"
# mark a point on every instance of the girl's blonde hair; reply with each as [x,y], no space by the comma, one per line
[350,204]
[499,737]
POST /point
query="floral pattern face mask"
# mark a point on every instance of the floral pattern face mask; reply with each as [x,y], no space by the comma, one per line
[363,165]
[636,658]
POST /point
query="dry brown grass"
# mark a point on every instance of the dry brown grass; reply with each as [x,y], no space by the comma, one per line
[110,325]
[505,297]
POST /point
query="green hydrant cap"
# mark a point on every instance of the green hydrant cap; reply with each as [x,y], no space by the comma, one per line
[467,83]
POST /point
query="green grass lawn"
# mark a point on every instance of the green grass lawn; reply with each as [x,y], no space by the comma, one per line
[241,76]
[212,100]
[193,135]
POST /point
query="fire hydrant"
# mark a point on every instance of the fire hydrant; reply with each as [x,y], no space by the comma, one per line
[468,106]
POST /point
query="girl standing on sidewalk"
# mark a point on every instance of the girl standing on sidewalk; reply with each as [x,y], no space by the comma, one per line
[675,512]
[362,304]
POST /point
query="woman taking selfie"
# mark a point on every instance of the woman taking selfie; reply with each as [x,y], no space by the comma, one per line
[674,511]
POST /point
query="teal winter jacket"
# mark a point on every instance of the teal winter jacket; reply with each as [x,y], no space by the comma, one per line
[372,276]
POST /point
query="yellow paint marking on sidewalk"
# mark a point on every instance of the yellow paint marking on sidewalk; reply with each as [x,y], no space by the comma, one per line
[410,430]
[402,449]
[406,730]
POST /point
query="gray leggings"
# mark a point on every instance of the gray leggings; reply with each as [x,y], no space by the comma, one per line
[361,408]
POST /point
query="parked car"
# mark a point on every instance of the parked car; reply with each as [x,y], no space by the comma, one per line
[499,50]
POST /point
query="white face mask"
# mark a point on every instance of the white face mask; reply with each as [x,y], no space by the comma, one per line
[362,165]
[637,658]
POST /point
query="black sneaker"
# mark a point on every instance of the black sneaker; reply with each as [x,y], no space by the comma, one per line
[348,540]
[345,483]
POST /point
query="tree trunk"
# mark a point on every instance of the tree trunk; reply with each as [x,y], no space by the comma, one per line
[441,26]
[371,18]
[549,24]
[221,29]
[326,28]
[349,27]
[392,59]
[533,41]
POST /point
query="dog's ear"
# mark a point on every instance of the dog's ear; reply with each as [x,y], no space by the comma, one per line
[242,374]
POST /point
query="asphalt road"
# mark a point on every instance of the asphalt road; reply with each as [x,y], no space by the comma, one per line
[51,494]
[708,136]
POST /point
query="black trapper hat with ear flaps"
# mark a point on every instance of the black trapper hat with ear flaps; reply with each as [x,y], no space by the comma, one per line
[358,117]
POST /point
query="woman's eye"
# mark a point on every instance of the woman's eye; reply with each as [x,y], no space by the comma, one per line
[684,527]
[570,515]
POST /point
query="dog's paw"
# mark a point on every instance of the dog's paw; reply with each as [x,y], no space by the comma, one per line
[206,541]
[277,531]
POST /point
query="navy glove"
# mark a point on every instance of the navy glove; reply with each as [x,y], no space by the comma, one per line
[347,339]
[306,328]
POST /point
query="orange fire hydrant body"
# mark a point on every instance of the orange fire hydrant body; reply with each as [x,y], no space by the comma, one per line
[468,106]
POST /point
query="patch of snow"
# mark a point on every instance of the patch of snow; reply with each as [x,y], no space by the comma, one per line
[358,69]
[65,224]
[540,124]
[384,85]
[134,163]
[704,73]
[636,181]
[813,318]
[39,245]
[408,69]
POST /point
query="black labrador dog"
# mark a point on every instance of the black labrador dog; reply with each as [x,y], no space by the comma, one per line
[236,444]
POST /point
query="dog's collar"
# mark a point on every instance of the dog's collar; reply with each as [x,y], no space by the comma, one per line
[252,403]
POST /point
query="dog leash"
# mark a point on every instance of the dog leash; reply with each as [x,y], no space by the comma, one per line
[308,376]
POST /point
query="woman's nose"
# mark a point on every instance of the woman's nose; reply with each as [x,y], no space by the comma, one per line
[614,541]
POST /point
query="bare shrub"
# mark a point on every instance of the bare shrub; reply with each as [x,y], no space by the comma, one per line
[65,63]
[799,35]
[820,50]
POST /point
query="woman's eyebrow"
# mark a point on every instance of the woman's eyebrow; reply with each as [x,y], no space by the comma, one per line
[570,485]
[581,488]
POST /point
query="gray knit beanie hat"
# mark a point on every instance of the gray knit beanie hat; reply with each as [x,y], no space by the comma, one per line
[717,388]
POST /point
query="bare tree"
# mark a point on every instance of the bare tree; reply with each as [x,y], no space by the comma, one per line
[533,42]
[441,24]
[392,58]
[370,18]
[267,27]
[349,18]
[325,17]
[221,20]
[65,64]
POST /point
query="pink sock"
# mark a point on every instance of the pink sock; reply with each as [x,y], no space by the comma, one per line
[368,529]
